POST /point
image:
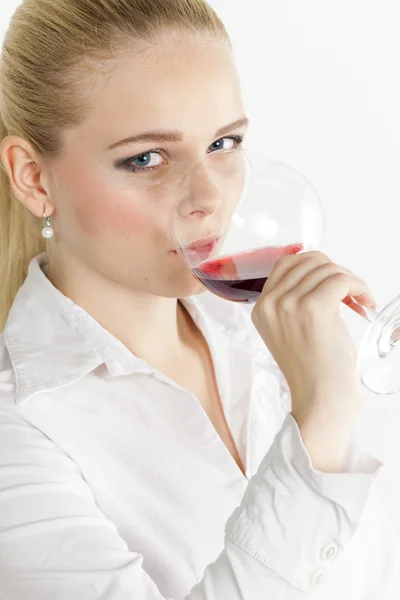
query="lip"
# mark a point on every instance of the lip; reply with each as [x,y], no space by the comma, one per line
[204,243]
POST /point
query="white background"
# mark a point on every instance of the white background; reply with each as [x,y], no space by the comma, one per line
[321,84]
[321,88]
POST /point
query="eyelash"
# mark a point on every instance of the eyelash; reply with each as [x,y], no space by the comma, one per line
[127,164]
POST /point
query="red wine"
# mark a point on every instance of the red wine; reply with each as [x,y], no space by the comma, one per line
[241,277]
[239,290]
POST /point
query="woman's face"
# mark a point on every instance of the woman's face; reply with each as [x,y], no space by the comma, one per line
[114,206]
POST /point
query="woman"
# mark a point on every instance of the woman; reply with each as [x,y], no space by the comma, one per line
[154,444]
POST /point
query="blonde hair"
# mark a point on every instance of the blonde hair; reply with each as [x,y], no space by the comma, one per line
[49,50]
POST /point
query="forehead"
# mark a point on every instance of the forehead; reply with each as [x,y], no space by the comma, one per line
[189,85]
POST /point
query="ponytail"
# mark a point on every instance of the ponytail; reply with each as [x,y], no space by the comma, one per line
[20,240]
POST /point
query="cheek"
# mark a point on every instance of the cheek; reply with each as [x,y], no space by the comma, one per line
[105,214]
[100,209]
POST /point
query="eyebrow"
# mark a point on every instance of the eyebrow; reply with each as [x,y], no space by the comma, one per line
[173,136]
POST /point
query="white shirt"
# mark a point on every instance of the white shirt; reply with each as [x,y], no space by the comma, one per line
[114,484]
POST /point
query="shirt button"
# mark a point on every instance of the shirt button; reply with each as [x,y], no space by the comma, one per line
[329,552]
[318,578]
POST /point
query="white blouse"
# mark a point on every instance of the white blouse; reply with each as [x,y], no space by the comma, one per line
[114,484]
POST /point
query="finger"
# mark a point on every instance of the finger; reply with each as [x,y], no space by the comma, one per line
[396,335]
[286,265]
[355,306]
[338,286]
[302,281]
[287,280]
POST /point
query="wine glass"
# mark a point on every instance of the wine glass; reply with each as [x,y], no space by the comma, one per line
[237,212]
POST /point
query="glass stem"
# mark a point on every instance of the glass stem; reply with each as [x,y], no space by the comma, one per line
[390,334]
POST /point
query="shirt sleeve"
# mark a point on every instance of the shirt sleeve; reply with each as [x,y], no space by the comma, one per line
[56,544]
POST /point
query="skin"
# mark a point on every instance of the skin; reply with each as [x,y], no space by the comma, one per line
[113,252]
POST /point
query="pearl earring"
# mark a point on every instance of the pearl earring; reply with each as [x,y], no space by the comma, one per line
[47,231]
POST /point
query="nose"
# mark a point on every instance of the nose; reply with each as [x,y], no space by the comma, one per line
[199,192]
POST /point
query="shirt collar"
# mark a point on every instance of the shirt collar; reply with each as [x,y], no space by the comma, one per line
[52,341]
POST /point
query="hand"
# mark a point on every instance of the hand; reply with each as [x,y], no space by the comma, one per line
[298,317]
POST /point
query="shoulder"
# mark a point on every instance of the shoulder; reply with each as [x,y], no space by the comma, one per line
[7,378]
[17,431]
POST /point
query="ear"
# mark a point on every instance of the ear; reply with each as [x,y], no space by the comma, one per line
[25,175]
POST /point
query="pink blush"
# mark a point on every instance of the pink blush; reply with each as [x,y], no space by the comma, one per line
[105,214]
[98,207]
[125,220]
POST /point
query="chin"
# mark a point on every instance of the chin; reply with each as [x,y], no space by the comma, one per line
[192,288]
[181,283]
[196,289]
[182,287]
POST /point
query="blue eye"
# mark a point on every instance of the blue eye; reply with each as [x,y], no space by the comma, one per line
[144,163]
[144,160]
[234,140]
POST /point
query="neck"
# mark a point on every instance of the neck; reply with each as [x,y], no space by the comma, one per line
[153,328]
